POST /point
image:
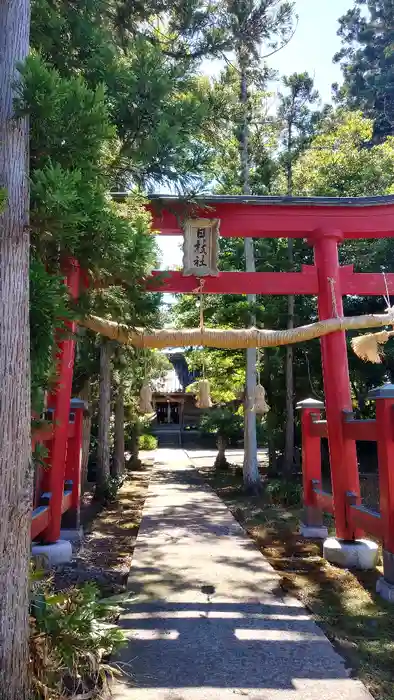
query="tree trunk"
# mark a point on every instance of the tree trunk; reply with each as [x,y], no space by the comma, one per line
[134,461]
[269,423]
[288,457]
[103,447]
[251,474]
[84,394]
[221,460]
[118,468]
[16,475]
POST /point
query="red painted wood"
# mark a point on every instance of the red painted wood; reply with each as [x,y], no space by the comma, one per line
[343,457]
[304,282]
[42,434]
[66,502]
[311,454]
[364,430]
[319,429]
[384,416]
[366,283]
[323,500]
[40,522]
[60,401]
[74,458]
[366,521]
[277,221]
[236,283]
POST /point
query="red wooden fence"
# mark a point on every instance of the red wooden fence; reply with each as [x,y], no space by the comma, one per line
[69,475]
[57,488]
[359,519]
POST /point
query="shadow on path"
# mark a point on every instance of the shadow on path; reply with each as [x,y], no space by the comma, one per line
[209,619]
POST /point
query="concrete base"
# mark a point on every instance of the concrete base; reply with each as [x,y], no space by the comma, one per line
[313,532]
[72,534]
[385,589]
[53,554]
[360,554]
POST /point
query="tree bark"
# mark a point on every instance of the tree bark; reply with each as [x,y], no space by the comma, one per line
[119,461]
[134,461]
[272,465]
[251,474]
[86,432]
[16,474]
[103,446]
[221,460]
[288,457]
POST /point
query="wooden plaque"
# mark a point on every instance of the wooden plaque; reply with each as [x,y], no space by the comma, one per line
[200,247]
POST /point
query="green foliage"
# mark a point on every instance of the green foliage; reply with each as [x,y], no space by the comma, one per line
[159,105]
[223,422]
[72,143]
[225,167]
[256,22]
[366,58]
[3,198]
[284,493]
[39,455]
[107,492]
[225,371]
[147,442]
[297,121]
[70,636]
[48,309]
[110,108]
[189,29]
[338,164]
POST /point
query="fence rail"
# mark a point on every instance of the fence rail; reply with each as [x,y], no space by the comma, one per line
[45,510]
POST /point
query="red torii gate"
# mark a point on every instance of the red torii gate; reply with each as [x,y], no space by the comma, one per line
[324,223]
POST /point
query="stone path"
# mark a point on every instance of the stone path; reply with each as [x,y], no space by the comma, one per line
[207,619]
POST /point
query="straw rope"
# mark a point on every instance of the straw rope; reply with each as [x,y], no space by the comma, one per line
[233,339]
[369,347]
[145,402]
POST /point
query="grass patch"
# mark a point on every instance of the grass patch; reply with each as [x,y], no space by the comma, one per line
[358,622]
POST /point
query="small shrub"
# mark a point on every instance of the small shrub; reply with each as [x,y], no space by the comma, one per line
[147,442]
[285,493]
[71,636]
[107,493]
[222,421]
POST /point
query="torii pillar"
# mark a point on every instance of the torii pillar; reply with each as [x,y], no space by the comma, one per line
[343,454]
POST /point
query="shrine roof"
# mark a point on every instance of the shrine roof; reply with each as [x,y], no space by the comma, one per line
[269,217]
[264,200]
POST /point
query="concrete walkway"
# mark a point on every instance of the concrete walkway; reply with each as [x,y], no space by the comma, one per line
[208,619]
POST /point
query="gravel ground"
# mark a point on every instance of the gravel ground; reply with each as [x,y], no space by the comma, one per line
[105,553]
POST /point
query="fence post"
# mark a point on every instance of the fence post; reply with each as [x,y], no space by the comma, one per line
[384,397]
[60,401]
[71,518]
[312,525]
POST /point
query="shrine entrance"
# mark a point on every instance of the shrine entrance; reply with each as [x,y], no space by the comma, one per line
[168,412]
[325,223]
